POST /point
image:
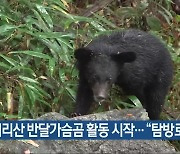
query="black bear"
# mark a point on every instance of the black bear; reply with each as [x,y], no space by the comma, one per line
[176,6]
[136,61]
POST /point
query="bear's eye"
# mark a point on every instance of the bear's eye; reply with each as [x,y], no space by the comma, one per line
[94,77]
[109,79]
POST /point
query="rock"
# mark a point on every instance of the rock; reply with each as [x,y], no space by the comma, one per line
[90,146]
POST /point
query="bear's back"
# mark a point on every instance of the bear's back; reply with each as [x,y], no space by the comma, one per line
[126,40]
[148,48]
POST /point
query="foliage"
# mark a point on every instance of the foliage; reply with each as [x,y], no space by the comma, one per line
[37,41]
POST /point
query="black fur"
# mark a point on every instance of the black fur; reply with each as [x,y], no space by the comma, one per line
[136,61]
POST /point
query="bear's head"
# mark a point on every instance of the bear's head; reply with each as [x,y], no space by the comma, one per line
[101,70]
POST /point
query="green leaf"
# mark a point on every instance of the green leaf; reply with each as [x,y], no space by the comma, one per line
[19,68]
[32,53]
[5,17]
[97,26]
[135,101]
[71,92]
[60,4]
[3,65]
[9,60]
[51,65]
[41,24]
[5,28]
[8,116]
[33,88]
[39,90]
[28,79]
[53,47]
[54,35]
[62,76]
[45,15]
[125,105]
[127,12]
[65,42]
[177,17]
[63,12]
[165,17]
[154,23]
[44,102]
[31,94]
[165,10]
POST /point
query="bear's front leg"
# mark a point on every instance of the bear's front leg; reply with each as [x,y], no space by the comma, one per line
[84,99]
[155,101]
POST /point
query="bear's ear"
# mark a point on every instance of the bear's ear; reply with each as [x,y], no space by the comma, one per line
[124,57]
[83,54]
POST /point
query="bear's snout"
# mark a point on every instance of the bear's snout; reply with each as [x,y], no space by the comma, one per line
[99,98]
[100,92]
